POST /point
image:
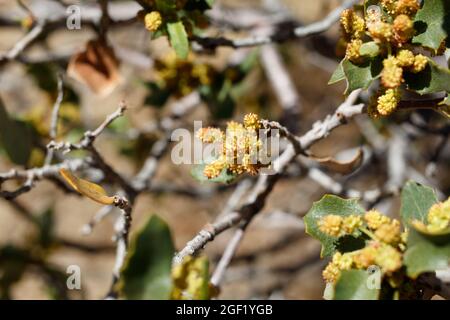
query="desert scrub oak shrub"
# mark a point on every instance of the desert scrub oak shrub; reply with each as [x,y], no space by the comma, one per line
[360,241]
[389,45]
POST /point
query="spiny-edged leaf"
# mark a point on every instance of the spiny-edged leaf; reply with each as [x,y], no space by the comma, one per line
[370,49]
[416,201]
[361,75]
[191,279]
[432,79]
[178,38]
[425,254]
[338,74]
[224,177]
[91,190]
[146,274]
[354,285]
[432,22]
[329,204]
[15,137]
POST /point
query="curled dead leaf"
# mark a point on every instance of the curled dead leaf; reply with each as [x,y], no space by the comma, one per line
[91,190]
[342,167]
[97,67]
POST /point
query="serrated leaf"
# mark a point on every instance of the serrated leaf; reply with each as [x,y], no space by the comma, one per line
[425,254]
[432,79]
[146,274]
[338,74]
[329,204]
[15,137]
[178,38]
[416,201]
[361,75]
[432,23]
[353,285]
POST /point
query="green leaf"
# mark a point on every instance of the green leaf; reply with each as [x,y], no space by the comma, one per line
[432,23]
[362,75]
[338,74]
[16,137]
[353,285]
[432,79]
[178,38]
[370,49]
[146,273]
[416,201]
[224,177]
[425,254]
[330,204]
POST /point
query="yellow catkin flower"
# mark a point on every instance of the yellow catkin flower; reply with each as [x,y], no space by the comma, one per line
[338,263]
[439,216]
[372,109]
[331,273]
[407,7]
[403,29]
[353,26]
[389,233]
[392,74]
[342,261]
[251,121]
[153,21]
[388,102]
[331,225]
[420,63]
[389,5]
[358,26]
[202,73]
[209,135]
[346,22]
[351,223]
[388,259]
[381,31]
[365,257]
[214,169]
[405,58]
[352,52]
[375,219]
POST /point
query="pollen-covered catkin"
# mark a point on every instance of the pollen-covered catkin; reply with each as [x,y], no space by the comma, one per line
[388,102]
[153,21]
[392,74]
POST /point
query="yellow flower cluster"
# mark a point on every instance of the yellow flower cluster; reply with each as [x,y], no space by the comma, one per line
[438,218]
[386,101]
[338,226]
[183,76]
[383,249]
[389,23]
[353,26]
[153,21]
[388,258]
[385,229]
[240,147]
